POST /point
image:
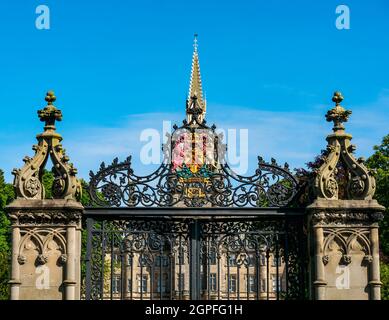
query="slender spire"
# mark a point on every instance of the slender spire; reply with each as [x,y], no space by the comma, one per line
[196,102]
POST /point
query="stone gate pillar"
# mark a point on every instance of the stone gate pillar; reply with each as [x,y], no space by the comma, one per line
[46,233]
[343,221]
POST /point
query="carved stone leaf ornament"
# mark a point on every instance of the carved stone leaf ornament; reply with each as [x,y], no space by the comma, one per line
[357,179]
[28,179]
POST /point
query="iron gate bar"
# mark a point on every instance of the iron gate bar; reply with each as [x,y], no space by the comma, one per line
[125,212]
[88,266]
[194,262]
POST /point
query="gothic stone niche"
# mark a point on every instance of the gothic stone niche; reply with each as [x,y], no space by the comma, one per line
[346,262]
[42,255]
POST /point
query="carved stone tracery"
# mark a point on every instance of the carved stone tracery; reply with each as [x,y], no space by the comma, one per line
[346,240]
[43,241]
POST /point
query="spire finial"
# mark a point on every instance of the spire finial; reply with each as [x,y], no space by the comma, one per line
[338,114]
[195,45]
[195,103]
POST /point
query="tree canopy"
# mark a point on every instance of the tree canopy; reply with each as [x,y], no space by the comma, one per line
[379,162]
[6,196]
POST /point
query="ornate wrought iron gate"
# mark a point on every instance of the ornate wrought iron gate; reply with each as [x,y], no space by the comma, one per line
[194,229]
[210,254]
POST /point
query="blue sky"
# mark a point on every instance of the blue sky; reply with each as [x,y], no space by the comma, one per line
[120,66]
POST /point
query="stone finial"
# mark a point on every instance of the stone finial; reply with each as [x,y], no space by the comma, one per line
[338,114]
[337,97]
[50,97]
[28,180]
[50,113]
[342,176]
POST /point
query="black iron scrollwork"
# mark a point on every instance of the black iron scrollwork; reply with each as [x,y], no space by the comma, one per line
[208,183]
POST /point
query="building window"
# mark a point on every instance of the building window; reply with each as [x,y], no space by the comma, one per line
[274,283]
[162,259]
[276,262]
[181,256]
[252,260]
[116,284]
[203,282]
[212,258]
[263,285]
[164,282]
[181,281]
[212,282]
[143,261]
[232,283]
[232,260]
[251,283]
[142,283]
[129,285]
[262,259]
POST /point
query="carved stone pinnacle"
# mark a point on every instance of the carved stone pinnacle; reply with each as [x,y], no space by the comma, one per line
[338,114]
[50,113]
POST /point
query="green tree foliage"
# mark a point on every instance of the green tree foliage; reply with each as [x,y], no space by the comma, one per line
[385,281]
[85,198]
[379,162]
[47,180]
[6,196]
[4,275]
